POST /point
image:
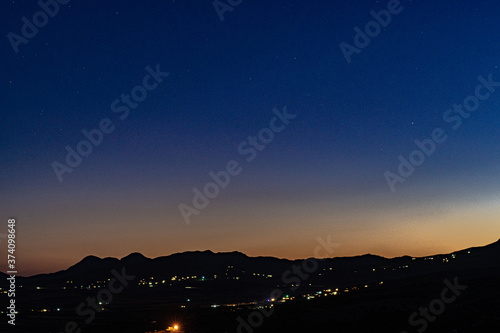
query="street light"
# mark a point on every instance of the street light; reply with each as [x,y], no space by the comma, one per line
[174,328]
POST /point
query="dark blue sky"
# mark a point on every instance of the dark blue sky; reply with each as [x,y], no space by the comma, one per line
[323,174]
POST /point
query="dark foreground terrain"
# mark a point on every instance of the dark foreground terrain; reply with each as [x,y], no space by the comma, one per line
[230,292]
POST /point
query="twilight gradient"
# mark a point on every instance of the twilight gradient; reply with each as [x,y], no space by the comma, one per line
[322,175]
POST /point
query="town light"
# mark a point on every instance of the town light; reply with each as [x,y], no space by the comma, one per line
[173,328]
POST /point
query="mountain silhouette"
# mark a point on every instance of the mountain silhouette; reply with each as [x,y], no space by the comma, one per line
[208,263]
[375,294]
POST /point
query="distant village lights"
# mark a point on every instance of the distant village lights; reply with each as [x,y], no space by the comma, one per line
[104,296]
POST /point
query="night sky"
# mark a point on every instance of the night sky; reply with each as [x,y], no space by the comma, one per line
[324,173]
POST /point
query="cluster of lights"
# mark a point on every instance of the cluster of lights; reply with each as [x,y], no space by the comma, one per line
[267,276]
[173,328]
[150,282]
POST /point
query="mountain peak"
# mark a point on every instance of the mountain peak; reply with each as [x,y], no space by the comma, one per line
[90,258]
[134,255]
[134,258]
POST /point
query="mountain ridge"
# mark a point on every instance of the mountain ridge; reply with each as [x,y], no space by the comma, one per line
[92,264]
